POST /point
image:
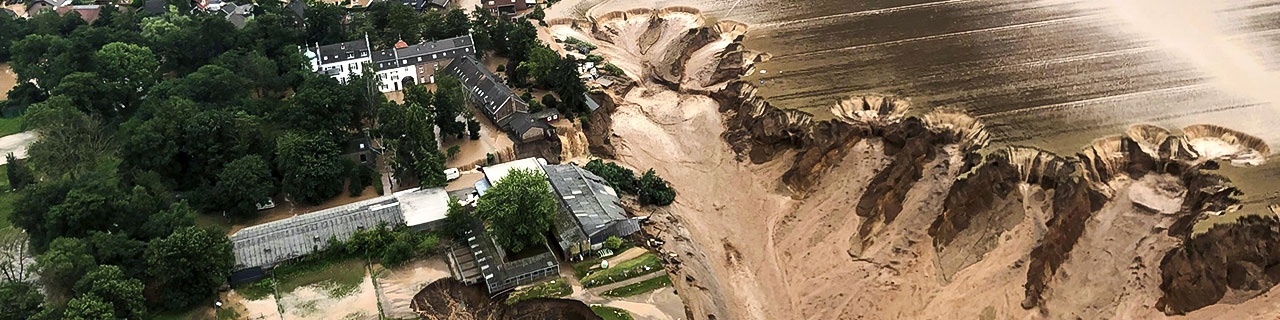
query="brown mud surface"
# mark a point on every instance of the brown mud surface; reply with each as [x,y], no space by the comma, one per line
[450,299]
[884,207]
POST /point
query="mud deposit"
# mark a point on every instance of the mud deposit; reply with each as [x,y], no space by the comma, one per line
[985,164]
[450,299]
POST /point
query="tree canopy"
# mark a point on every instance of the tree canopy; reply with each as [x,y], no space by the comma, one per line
[518,210]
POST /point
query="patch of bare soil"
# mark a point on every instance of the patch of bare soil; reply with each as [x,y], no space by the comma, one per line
[396,287]
[881,216]
[8,80]
[450,299]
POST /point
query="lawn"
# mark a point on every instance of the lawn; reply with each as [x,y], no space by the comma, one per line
[6,203]
[555,288]
[641,265]
[611,313]
[640,287]
[339,277]
[10,126]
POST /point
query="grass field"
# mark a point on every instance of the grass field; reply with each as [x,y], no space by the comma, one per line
[10,126]
[6,203]
[645,264]
[555,288]
[611,313]
[339,277]
[640,287]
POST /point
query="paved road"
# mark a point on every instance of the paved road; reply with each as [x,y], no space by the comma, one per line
[17,144]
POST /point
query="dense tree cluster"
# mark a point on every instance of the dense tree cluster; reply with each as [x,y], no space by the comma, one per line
[518,210]
[145,120]
[649,188]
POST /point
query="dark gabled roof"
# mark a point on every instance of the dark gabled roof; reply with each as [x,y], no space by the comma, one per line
[417,5]
[441,4]
[450,48]
[8,12]
[354,49]
[492,94]
[298,8]
[587,200]
[155,6]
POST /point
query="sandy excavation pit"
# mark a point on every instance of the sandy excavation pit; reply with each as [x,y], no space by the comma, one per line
[875,215]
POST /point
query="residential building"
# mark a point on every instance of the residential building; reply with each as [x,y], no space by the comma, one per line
[88,12]
[497,102]
[340,60]
[407,64]
[590,210]
[508,6]
[402,65]
[237,15]
[38,6]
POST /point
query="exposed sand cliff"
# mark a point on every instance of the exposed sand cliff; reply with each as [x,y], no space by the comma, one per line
[885,212]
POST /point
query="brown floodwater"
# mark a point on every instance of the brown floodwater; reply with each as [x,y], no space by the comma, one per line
[1055,74]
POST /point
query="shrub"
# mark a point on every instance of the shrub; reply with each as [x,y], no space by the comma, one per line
[612,69]
[654,190]
[453,151]
[473,128]
[613,243]
[502,68]
[594,58]
[618,177]
[550,101]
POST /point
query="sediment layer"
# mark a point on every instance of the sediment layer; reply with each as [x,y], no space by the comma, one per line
[984,201]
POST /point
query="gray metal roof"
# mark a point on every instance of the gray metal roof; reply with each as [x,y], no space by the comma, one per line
[497,271]
[270,243]
[451,48]
[590,202]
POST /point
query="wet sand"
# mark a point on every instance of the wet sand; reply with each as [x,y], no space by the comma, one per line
[8,80]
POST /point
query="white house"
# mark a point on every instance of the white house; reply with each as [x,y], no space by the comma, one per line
[395,67]
[340,60]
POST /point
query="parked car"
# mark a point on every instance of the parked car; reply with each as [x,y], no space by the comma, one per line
[451,174]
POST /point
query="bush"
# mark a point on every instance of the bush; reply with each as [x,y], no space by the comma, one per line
[594,58]
[473,128]
[618,177]
[453,151]
[399,252]
[653,190]
[535,106]
[502,68]
[360,178]
[550,101]
[612,69]
[613,243]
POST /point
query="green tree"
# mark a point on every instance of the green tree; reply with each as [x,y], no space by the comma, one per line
[398,252]
[119,249]
[613,242]
[11,29]
[457,220]
[324,23]
[189,265]
[321,105]
[622,179]
[449,103]
[564,81]
[473,128]
[70,142]
[407,134]
[19,174]
[88,307]
[64,263]
[163,222]
[519,209]
[110,284]
[654,190]
[311,166]
[127,70]
[456,23]
[19,300]
[243,183]
[538,66]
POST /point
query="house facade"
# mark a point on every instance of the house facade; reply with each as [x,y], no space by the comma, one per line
[498,102]
[404,64]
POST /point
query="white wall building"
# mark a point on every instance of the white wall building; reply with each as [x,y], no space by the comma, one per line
[395,67]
